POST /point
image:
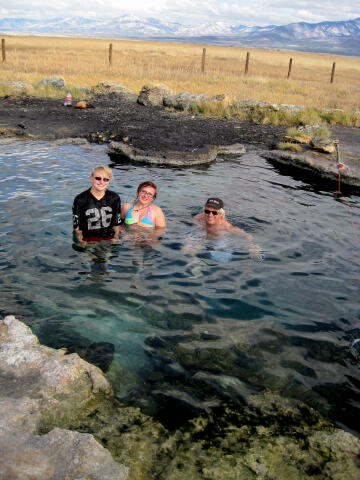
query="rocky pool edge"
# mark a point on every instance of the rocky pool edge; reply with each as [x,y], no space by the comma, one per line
[50,398]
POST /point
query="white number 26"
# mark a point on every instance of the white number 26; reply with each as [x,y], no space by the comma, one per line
[98,218]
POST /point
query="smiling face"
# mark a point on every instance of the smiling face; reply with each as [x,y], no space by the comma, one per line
[100,181]
[146,195]
[212,216]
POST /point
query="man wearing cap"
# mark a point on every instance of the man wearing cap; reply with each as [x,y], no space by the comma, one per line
[213,221]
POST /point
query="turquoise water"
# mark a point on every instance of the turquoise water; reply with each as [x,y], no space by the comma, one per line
[189,332]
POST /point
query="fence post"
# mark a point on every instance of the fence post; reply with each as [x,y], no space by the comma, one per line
[3,49]
[332,73]
[203,61]
[290,67]
[110,54]
[247,63]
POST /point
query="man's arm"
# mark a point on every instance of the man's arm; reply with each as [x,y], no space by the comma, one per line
[76,222]
[117,220]
[117,231]
[79,234]
[254,250]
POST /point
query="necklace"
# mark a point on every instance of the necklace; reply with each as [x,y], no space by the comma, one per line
[138,209]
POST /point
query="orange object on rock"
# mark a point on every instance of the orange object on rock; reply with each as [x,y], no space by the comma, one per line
[81,104]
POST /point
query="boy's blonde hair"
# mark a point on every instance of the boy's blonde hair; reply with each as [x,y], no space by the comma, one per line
[103,168]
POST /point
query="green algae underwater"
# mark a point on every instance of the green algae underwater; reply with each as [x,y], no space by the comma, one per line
[269,438]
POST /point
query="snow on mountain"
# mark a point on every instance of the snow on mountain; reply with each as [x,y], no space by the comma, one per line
[340,37]
[130,25]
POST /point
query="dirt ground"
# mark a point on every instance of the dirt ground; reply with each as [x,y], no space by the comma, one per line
[152,129]
[147,128]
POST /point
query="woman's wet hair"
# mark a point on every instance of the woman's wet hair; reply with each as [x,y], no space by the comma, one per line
[104,168]
[148,183]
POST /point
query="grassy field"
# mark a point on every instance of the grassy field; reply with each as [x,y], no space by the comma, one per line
[85,62]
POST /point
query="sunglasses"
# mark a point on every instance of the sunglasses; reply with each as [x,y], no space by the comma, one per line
[146,194]
[210,211]
[103,179]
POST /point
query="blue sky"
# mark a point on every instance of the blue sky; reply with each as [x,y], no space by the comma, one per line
[253,12]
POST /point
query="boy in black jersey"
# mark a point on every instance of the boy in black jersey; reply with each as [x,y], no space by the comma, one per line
[97,211]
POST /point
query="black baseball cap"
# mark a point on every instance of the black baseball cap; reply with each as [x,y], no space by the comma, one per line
[213,202]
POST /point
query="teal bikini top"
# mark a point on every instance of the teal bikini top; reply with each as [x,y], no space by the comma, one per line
[147,221]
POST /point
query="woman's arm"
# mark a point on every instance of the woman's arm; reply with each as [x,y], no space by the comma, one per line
[124,210]
[159,217]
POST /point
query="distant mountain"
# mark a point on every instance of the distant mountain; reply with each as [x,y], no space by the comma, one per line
[342,37]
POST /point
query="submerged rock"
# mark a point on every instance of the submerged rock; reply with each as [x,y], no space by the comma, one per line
[265,437]
[355,349]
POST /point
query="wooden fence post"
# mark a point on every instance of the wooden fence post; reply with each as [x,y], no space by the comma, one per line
[203,61]
[3,49]
[290,67]
[332,73]
[247,63]
[110,54]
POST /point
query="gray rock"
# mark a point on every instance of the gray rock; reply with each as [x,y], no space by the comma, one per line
[309,129]
[257,104]
[324,145]
[291,108]
[66,383]
[218,98]
[55,82]
[120,151]
[324,165]
[113,89]
[71,141]
[19,87]
[40,386]
[232,150]
[183,101]
[57,455]
[153,94]
[355,349]
[83,90]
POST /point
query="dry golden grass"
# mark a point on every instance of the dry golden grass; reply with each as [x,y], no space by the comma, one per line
[84,62]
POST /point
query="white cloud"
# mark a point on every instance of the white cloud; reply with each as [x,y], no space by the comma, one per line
[257,12]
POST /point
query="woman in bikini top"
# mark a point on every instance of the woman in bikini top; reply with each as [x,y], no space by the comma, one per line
[142,212]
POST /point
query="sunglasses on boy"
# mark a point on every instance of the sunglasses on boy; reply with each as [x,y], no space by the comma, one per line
[103,179]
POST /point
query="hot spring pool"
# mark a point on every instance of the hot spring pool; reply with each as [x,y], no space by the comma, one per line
[189,332]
